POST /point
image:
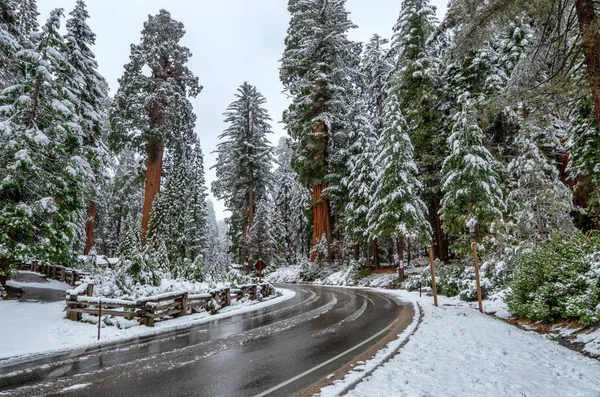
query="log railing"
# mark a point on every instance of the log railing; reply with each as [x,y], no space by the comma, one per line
[150,309]
[54,272]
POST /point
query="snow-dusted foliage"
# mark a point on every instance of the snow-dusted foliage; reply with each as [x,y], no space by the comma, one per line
[179,220]
[539,203]
[244,160]
[43,167]
[397,210]
[472,198]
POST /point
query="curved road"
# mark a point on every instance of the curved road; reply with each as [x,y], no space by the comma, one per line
[281,350]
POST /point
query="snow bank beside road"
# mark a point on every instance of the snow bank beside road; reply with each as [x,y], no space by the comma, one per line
[456,351]
[36,328]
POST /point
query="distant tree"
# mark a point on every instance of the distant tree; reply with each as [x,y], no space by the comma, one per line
[244,160]
[151,108]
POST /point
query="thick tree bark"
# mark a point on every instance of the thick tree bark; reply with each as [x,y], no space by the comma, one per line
[153,173]
[590,43]
[439,237]
[321,218]
[89,227]
[356,252]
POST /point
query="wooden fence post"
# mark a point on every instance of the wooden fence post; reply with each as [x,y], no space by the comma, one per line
[90,289]
[474,248]
[435,300]
[184,304]
[227,296]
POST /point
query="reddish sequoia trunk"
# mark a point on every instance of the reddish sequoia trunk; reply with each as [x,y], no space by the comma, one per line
[89,228]
[153,172]
[439,237]
[321,218]
[590,43]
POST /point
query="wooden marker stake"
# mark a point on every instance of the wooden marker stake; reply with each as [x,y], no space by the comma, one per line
[474,248]
[435,302]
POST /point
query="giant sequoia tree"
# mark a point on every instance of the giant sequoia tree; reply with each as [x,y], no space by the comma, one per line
[317,68]
[244,160]
[151,108]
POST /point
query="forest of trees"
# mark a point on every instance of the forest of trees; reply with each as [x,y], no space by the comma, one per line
[479,128]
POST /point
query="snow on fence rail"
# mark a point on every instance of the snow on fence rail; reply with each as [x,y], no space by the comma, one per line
[150,309]
[54,272]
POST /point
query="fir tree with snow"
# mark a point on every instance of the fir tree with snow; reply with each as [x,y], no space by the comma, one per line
[43,166]
[397,210]
[472,198]
[244,160]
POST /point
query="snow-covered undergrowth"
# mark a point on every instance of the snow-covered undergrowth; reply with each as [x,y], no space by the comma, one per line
[456,351]
[331,275]
[35,328]
[118,283]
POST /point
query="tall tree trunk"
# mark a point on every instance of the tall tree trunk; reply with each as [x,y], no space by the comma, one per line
[375,253]
[439,237]
[321,219]
[153,173]
[590,43]
[89,227]
[356,252]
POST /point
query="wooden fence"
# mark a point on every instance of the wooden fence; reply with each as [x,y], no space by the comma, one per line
[148,310]
[54,272]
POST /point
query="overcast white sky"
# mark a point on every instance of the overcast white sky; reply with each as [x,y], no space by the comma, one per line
[232,41]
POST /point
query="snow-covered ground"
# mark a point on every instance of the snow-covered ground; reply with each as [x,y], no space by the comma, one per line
[32,328]
[456,351]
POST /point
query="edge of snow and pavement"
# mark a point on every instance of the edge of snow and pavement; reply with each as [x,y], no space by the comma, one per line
[78,337]
[453,350]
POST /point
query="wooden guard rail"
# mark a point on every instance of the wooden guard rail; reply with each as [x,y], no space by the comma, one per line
[54,272]
[148,310]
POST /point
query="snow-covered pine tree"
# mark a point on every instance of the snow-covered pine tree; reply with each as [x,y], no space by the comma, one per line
[318,69]
[360,182]
[9,42]
[397,210]
[538,202]
[375,68]
[244,160]
[291,204]
[92,91]
[151,108]
[415,87]
[260,240]
[42,168]
[196,214]
[211,252]
[472,197]
[27,21]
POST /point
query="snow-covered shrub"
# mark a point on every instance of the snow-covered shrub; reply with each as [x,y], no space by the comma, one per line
[459,279]
[558,279]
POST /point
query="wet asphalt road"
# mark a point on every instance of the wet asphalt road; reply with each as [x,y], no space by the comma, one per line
[244,355]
